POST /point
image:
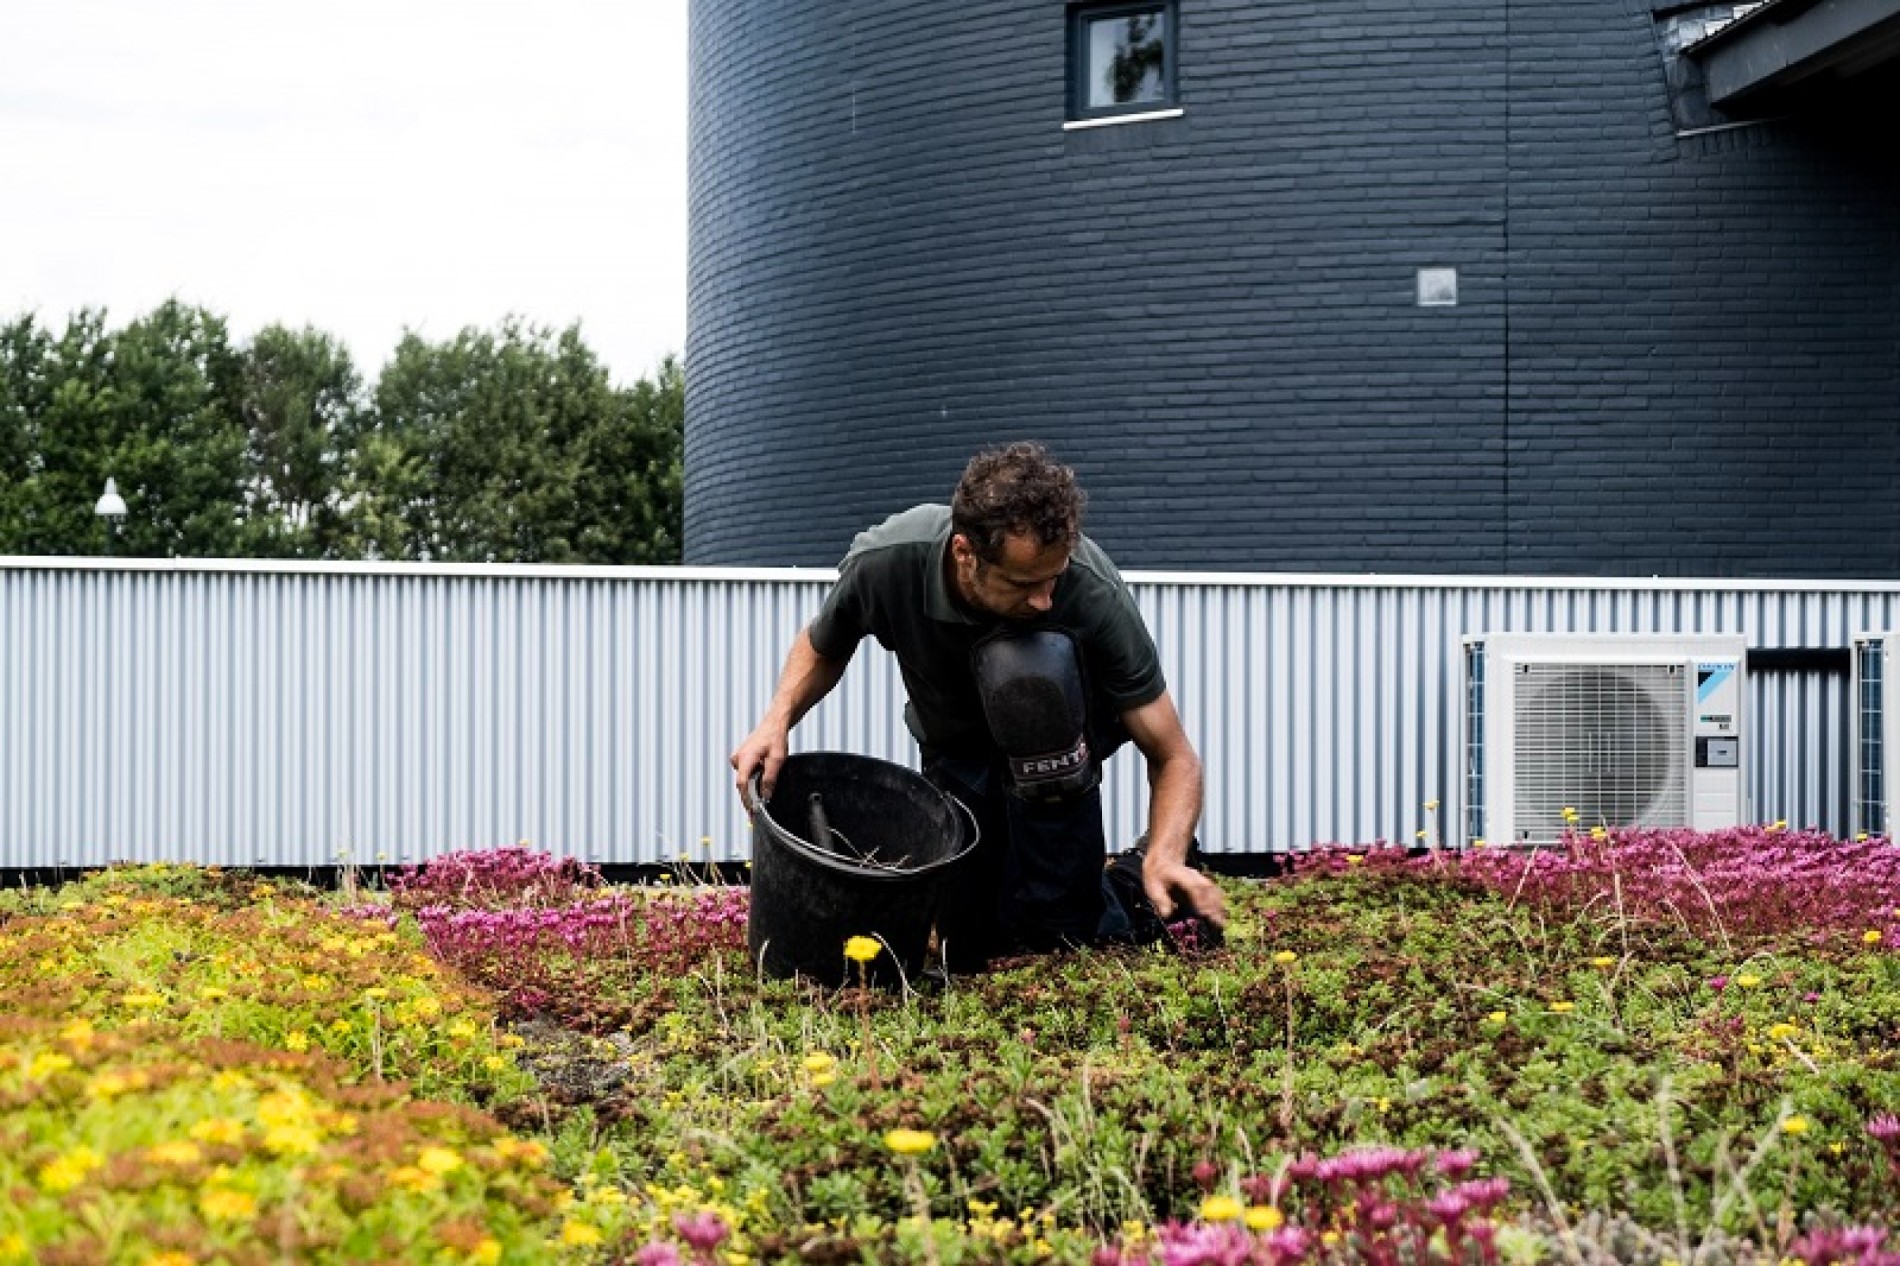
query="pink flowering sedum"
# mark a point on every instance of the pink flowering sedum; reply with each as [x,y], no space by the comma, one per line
[1367,1204]
[1845,1246]
[491,878]
[551,939]
[704,1230]
[1750,881]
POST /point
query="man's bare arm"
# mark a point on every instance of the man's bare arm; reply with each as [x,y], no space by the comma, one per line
[806,678]
[1174,809]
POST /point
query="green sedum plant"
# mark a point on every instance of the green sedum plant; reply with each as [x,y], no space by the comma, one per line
[1448,1058]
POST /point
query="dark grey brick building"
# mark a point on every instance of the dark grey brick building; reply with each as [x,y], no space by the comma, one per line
[1674,350]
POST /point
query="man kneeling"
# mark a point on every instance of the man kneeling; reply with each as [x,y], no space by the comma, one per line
[1027,665]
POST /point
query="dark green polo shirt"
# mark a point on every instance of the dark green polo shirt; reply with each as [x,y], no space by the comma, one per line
[893,586]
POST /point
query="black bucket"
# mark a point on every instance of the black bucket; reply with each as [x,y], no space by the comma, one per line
[866,857]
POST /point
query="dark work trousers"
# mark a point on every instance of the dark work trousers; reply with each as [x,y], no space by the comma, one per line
[1036,880]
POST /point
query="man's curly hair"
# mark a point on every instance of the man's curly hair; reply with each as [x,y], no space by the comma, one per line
[1017,488]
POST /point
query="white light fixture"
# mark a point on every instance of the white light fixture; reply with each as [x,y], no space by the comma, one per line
[111,508]
[111,505]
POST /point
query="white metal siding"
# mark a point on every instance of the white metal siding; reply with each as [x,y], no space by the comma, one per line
[285,714]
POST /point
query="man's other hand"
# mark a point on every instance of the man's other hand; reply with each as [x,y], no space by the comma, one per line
[1171,884]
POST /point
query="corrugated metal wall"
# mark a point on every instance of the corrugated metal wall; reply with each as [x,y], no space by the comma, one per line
[288,714]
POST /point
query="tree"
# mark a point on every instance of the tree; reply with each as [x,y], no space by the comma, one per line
[153,406]
[303,406]
[511,446]
[528,452]
[177,434]
[384,483]
[62,401]
[24,352]
[630,504]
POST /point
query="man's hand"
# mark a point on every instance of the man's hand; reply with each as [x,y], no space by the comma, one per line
[762,752]
[1169,883]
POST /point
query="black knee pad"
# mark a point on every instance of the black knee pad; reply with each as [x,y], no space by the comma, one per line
[1036,704]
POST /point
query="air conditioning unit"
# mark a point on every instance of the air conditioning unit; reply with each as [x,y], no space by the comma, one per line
[1876,742]
[1626,729]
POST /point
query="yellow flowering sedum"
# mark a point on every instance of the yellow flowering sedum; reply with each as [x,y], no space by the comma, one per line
[1221,1209]
[175,1152]
[531,1153]
[438,1160]
[218,1130]
[47,1063]
[68,1170]
[295,1139]
[110,1084]
[222,1204]
[414,1178]
[910,1142]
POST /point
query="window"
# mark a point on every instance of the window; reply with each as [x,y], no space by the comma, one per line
[1121,59]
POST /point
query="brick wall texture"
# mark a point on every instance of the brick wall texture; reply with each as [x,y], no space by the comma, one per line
[1673,354]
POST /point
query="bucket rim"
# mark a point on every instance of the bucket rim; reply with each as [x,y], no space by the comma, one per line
[755,803]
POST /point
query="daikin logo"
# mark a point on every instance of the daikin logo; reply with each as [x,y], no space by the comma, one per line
[1710,678]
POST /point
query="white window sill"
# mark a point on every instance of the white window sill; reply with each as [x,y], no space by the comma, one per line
[1116,120]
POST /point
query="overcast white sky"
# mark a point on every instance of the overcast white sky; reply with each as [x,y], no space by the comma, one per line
[361,166]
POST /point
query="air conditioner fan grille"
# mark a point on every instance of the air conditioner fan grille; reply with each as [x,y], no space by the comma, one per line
[1610,741]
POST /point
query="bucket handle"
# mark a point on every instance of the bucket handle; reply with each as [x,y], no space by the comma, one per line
[976,831]
[754,803]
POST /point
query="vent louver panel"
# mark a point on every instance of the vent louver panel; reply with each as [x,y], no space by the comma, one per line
[1610,741]
[1870,792]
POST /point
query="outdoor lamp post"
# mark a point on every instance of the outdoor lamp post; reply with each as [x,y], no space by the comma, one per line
[111,508]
